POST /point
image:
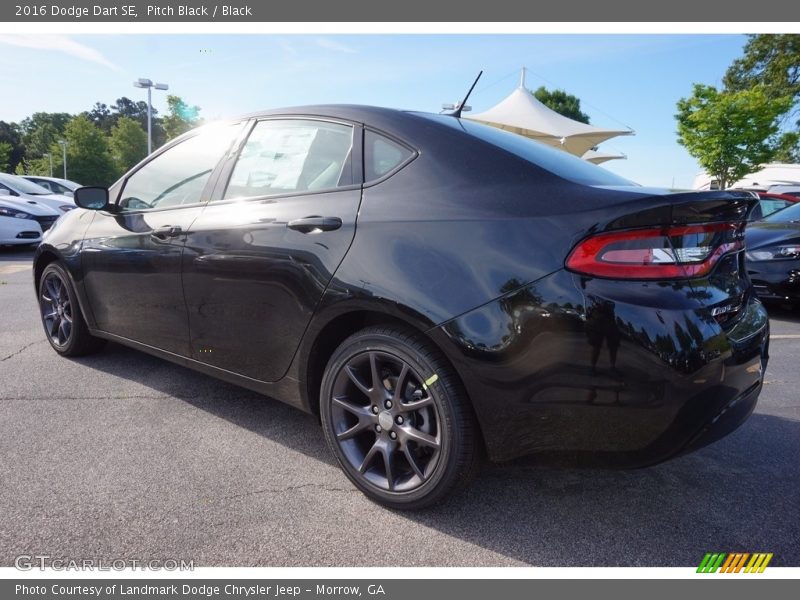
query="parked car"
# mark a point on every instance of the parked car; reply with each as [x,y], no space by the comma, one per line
[431,287]
[56,185]
[786,190]
[773,255]
[19,225]
[14,185]
[770,203]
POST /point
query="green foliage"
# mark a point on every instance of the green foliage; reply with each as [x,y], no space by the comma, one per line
[180,117]
[128,143]
[787,150]
[89,158]
[5,156]
[104,141]
[730,133]
[563,103]
[41,130]
[771,61]
[10,134]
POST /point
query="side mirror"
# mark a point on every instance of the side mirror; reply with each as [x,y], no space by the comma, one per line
[92,198]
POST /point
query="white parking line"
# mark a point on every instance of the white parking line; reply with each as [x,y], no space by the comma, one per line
[785,336]
[9,269]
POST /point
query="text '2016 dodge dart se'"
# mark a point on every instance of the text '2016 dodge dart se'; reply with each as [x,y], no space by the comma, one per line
[431,287]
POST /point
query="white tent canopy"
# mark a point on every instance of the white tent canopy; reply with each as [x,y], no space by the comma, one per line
[597,157]
[523,114]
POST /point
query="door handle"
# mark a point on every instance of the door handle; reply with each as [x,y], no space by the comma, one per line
[166,232]
[315,224]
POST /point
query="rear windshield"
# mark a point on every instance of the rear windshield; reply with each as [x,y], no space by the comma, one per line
[551,159]
[790,214]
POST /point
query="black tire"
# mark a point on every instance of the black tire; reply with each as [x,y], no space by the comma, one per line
[425,430]
[61,314]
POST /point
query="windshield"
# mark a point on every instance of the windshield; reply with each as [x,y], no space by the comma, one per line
[790,214]
[23,186]
[558,162]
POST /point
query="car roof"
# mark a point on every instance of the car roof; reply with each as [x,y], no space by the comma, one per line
[404,124]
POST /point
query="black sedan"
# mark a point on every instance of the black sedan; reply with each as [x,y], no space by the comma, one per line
[432,288]
[773,255]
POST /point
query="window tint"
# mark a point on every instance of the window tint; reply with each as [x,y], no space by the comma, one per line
[771,206]
[292,155]
[551,159]
[179,175]
[790,214]
[381,155]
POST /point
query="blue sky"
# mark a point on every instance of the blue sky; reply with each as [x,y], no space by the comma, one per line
[633,80]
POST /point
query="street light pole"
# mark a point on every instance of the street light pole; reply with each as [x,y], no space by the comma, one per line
[148,83]
[50,156]
[63,144]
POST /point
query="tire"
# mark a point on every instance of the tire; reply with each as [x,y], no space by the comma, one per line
[410,440]
[61,314]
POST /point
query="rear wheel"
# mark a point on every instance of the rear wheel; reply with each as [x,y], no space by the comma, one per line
[61,315]
[397,419]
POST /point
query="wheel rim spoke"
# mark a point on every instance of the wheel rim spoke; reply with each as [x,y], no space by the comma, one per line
[420,437]
[355,430]
[51,288]
[415,405]
[354,409]
[412,461]
[368,458]
[388,464]
[351,373]
[63,331]
[401,384]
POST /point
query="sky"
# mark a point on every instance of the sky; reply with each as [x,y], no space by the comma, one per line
[630,80]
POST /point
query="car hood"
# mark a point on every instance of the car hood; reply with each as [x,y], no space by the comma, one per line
[29,206]
[760,235]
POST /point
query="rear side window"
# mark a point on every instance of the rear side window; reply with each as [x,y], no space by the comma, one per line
[290,156]
[382,155]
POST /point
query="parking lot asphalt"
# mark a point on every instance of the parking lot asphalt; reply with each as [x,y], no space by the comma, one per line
[122,455]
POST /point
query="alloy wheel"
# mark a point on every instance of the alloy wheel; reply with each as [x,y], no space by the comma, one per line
[56,308]
[386,421]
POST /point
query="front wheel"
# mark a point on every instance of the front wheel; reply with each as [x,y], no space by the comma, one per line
[61,314]
[397,419]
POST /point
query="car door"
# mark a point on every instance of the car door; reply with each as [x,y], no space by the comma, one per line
[265,247]
[131,254]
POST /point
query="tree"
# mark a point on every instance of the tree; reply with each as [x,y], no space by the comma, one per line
[772,61]
[128,143]
[180,117]
[730,133]
[41,130]
[125,107]
[101,116]
[5,156]
[89,159]
[563,103]
[10,134]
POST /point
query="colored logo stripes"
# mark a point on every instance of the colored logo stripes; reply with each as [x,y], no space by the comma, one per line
[734,563]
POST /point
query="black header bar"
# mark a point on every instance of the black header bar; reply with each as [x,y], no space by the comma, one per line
[443,11]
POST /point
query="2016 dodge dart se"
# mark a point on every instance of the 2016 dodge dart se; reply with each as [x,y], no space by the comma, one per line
[434,289]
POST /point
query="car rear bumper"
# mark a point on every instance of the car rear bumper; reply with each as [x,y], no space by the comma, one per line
[627,374]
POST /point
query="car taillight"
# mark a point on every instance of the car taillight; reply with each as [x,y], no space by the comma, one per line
[676,252]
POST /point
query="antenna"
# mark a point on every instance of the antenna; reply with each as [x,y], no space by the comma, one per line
[457,112]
